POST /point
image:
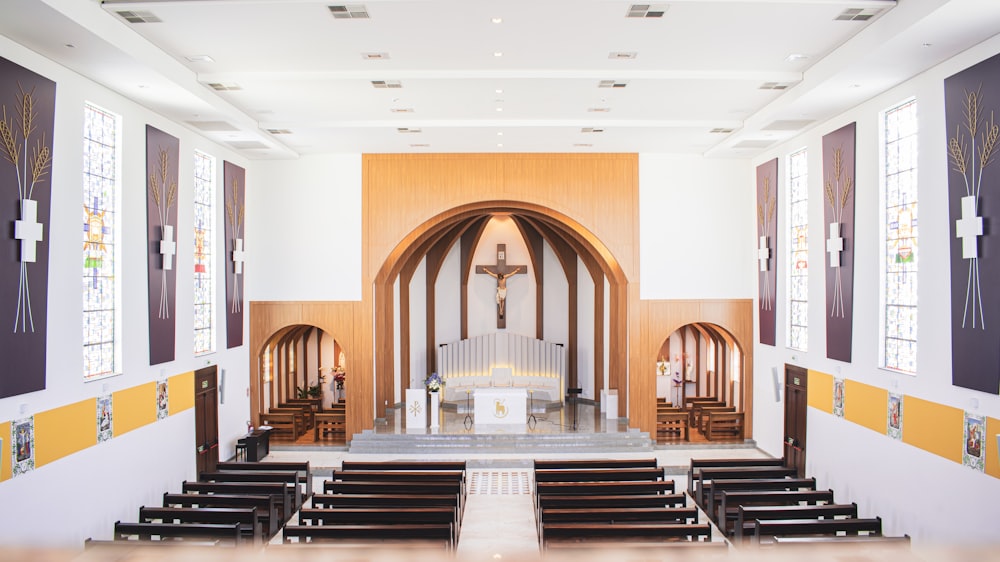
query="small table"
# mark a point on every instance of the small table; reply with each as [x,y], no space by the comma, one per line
[257,444]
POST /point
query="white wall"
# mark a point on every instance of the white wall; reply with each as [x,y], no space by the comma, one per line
[418,328]
[914,491]
[694,214]
[585,332]
[108,481]
[519,309]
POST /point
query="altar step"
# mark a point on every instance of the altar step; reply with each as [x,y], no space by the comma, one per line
[370,442]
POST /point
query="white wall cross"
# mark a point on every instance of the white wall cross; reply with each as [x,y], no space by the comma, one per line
[835,244]
[239,256]
[28,230]
[969,228]
[168,247]
[763,253]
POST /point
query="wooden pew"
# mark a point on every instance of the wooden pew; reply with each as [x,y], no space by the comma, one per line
[453,489]
[708,474]
[715,488]
[699,414]
[766,530]
[384,500]
[403,465]
[328,422]
[583,532]
[200,532]
[594,463]
[731,501]
[724,424]
[266,506]
[284,501]
[697,464]
[603,488]
[289,478]
[246,518]
[301,467]
[673,422]
[691,400]
[304,413]
[281,423]
[599,475]
[747,515]
[381,516]
[403,476]
[581,502]
[374,534]
[617,514]
[861,544]
[315,403]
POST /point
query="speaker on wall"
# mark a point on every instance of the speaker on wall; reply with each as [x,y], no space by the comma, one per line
[777,384]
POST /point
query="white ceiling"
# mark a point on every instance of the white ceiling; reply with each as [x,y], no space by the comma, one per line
[697,68]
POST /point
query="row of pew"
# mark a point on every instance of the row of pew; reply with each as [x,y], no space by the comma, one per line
[711,417]
[763,503]
[616,504]
[296,417]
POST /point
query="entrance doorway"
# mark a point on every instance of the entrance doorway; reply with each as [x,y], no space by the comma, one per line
[206,418]
[795,418]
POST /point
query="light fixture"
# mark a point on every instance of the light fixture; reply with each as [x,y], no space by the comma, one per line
[499,91]
[200,58]
[499,145]
[796,57]
[500,134]
[497,53]
[499,109]
[496,20]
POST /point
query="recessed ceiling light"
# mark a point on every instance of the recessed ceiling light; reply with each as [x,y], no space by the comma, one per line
[795,57]
[499,91]
[200,58]
[499,145]
[499,109]
[500,134]
[496,20]
[497,53]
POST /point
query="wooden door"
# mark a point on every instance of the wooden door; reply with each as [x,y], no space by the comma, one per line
[795,418]
[206,418]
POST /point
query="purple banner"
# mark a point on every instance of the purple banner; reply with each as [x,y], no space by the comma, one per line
[767,247]
[27,117]
[838,233]
[972,118]
[162,153]
[234,179]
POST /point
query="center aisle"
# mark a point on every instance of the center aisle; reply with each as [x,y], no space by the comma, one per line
[499,520]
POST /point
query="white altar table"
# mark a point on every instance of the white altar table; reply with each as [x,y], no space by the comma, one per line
[501,407]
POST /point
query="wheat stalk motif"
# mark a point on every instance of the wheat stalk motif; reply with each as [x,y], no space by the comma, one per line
[765,216]
[964,161]
[164,204]
[29,170]
[235,216]
[838,190]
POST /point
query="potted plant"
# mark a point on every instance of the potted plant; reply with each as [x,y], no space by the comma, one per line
[434,382]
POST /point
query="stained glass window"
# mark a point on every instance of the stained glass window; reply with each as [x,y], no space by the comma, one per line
[797,334]
[204,237]
[898,320]
[101,290]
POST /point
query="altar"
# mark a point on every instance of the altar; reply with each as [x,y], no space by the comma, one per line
[505,407]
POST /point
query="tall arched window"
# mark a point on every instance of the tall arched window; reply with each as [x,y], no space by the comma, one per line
[204,243]
[798,252]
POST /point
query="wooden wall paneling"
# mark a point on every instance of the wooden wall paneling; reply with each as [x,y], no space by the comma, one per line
[536,254]
[469,242]
[404,278]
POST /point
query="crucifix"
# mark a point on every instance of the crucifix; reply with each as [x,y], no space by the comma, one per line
[501,271]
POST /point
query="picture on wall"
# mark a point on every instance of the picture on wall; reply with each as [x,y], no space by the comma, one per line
[27,118]
[838,397]
[974,442]
[767,244]
[162,399]
[972,111]
[105,421]
[22,449]
[894,423]
[234,179]
[838,213]
[162,154]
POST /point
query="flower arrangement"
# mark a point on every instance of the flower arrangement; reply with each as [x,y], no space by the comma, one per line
[339,376]
[434,382]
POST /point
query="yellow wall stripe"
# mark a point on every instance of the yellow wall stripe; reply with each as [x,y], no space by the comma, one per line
[992,460]
[866,405]
[820,391]
[181,392]
[63,431]
[933,427]
[5,468]
[134,407]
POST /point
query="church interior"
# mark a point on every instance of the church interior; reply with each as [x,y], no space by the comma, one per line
[518,237]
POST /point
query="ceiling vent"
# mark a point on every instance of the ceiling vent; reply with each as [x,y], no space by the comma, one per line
[349,12]
[774,86]
[591,130]
[375,56]
[582,144]
[387,84]
[754,144]
[646,11]
[622,55]
[598,109]
[225,86]
[409,130]
[247,145]
[134,16]
[279,131]
[722,130]
[858,14]
[788,125]
[212,126]
[419,145]
[401,110]
[612,83]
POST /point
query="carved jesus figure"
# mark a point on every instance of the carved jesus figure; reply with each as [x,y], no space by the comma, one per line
[501,286]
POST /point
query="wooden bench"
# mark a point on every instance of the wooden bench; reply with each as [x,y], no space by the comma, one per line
[246,518]
[724,424]
[300,467]
[699,414]
[766,530]
[304,413]
[583,502]
[697,464]
[266,506]
[328,422]
[617,514]
[384,500]
[380,516]
[691,400]
[747,515]
[376,534]
[715,488]
[731,501]
[282,422]
[584,532]
[863,544]
[599,475]
[315,403]
[709,474]
[673,423]
[580,464]
[603,488]
[284,501]
[287,477]
[403,476]
[454,489]
[227,534]
[403,465]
